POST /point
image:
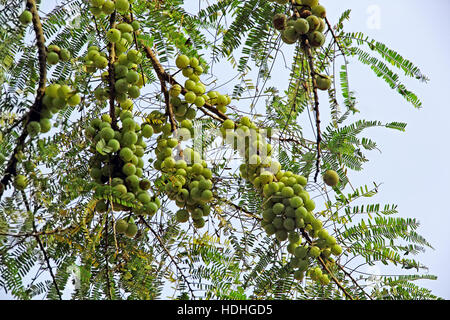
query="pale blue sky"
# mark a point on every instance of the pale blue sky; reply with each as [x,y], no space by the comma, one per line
[413,166]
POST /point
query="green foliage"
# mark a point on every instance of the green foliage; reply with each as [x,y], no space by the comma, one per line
[51,233]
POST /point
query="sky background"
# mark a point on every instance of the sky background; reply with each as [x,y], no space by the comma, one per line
[412,166]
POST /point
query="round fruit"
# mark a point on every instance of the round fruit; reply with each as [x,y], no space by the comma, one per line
[122,5]
[182,216]
[182,61]
[26,17]
[301,26]
[131,230]
[319,11]
[279,21]
[121,226]
[20,181]
[323,82]
[33,128]
[331,178]
[336,250]
[314,23]
[310,3]
[316,39]
[113,35]
[52,58]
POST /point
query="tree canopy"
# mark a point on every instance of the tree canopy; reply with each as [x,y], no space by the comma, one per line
[146,154]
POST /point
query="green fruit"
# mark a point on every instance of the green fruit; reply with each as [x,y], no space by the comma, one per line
[108,7]
[290,35]
[299,275]
[314,252]
[316,39]
[121,226]
[129,169]
[151,208]
[330,240]
[107,133]
[279,21]
[74,100]
[206,195]
[182,216]
[136,25]
[193,62]
[294,237]
[310,205]
[33,128]
[300,252]
[147,131]
[132,181]
[287,192]
[113,35]
[45,125]
[336,250]
[20,182]
[199,223]
[182,61]
[122,5]
[228,124]
[101,62]
[199,101]
[25,17]
[52,58]
[144,184]
[281,235]
[270,229]
[131,230]
[323,82]
[129,138]
[134,92]
[64,54]
[190,97]
[319,11]
[126,154]
[289,224]
[278,208]
[144,197]
[296,202]
[310,3]
[301,26]
[121,188]
[114,145]
[314,23]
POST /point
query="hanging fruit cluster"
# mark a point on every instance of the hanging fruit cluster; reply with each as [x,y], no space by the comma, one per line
[308,24]
[287,206]
[118,146]
[56,54]
[107,7]
[187,178]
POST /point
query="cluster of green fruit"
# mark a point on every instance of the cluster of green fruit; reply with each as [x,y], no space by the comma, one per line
[128,81]
[287,206]
[122,35]
[56,98]
[117,161]
[310,25]
[187,180]
[107,7]
[56,54]
[26,17]
[128,228]
[195,89]
[331,178]
[20,182]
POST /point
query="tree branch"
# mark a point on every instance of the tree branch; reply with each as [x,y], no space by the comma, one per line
[35,110]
